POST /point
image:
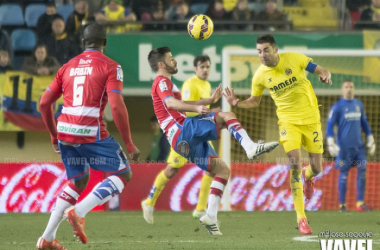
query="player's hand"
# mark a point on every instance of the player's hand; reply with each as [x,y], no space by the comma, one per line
[333,148]
[135,155]
[56,148]
[230,96]
[325,78]
[203,110]
[217,94]
[371,145]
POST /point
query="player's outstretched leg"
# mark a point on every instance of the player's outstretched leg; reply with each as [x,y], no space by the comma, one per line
[222,173]
[101,193]
[204,190]
[253,150]
[49,245]
[66,199]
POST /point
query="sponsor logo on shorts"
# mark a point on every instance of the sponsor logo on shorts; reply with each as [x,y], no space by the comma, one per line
[183,148]
[283,133]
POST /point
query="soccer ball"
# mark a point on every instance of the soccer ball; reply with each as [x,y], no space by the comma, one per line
[200,27]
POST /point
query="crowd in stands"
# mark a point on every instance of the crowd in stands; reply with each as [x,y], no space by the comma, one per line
[59,24]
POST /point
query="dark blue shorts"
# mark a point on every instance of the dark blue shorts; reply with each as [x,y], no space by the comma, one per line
[105,155]
[192,142]
[350,157]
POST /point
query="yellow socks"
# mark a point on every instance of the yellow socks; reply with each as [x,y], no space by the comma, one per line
[309,174]
[203,192]
[359,203]
[158,186]
[297,193]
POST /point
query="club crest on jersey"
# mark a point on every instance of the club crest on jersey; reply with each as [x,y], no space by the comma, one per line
[357,109]
[119,76]
[186,94]
[163,85]
[283,133]
[183,148]
[288,71]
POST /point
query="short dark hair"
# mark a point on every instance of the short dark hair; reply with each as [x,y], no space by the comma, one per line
[266,38]
[50,4]
[95,34]
[156,56]
[201,59]
[58,17]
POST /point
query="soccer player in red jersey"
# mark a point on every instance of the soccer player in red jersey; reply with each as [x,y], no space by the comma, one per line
[87,82]
[189,136]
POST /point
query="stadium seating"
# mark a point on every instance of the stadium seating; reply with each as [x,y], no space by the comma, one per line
[32,13]
[65,10]
[23,39]
[199,8]
[11,14]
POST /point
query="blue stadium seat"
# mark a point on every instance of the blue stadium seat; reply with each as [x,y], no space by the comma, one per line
[23,39]
[65,10]
[11,14]
[199,8]
[32,13]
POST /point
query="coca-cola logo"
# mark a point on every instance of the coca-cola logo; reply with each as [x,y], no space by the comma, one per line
[268,191]
[30,188]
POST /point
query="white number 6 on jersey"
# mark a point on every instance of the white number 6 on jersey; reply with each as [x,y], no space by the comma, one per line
[78,90]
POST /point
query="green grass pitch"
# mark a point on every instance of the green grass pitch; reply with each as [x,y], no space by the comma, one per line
[178,230]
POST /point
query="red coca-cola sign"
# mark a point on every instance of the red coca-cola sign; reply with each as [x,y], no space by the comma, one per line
[33,187]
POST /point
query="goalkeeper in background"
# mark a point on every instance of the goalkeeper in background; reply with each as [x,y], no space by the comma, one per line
[194,89]
[297,111]
[349,116]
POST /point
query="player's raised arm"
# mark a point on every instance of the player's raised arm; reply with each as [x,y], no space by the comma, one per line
[213,98]
[251,102]
[324,75]
[175,104]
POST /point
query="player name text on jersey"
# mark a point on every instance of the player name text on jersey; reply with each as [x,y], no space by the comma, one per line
[81,71]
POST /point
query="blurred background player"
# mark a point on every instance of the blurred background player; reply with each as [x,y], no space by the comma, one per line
[82,138]
[159,147]
[194,89]
[189,136]
[349,116]
[297,110]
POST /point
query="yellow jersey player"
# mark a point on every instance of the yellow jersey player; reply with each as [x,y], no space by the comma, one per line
[297,110]
[194,89]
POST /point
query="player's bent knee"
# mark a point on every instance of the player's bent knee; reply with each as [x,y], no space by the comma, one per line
[127,176]
[82,183]
[170,172]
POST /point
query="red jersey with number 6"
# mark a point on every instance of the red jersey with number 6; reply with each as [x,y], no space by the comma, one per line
[168,119]
[84,83]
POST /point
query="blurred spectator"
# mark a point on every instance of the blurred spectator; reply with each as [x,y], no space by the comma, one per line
[5,62]
[70,2]
[182,15]
[114,11]
[5,44]
[159,148]
[270,14]
[242,13]
[217,12]
[371,14]
[78,19]
[59,44]
[156,13]
[229,5]
[40,63]
[148,6]
[45,20]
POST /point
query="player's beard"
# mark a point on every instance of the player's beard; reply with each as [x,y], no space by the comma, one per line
[171,70]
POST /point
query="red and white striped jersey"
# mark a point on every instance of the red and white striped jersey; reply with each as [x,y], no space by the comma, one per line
[163,88]
[84,82]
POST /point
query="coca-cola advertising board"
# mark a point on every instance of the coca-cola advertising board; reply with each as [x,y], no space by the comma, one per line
[260,186]
[33,187]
